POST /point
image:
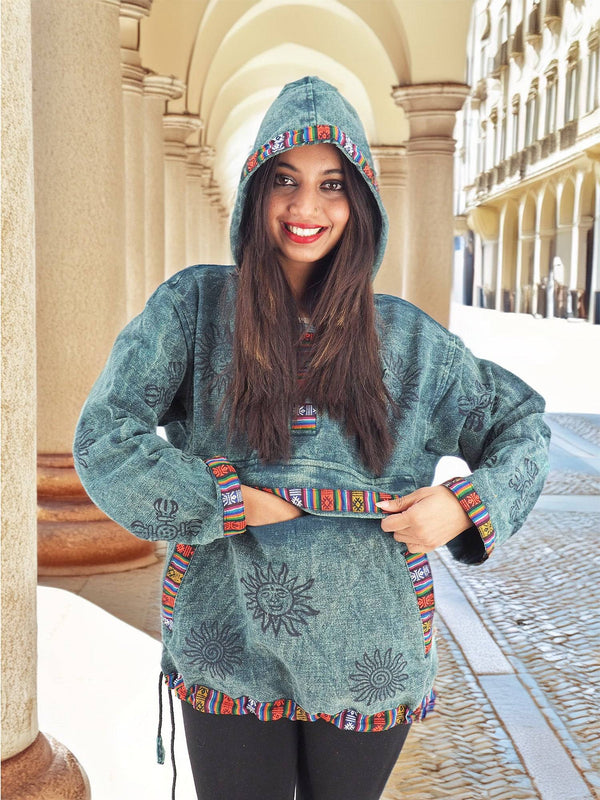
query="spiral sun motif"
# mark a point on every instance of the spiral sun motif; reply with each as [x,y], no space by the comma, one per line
[378,677]
[277,600]
[214,357]
[214,650]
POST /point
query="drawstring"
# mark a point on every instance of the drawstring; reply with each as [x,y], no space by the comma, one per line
[160,749]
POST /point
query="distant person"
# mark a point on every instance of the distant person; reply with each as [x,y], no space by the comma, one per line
[305,418]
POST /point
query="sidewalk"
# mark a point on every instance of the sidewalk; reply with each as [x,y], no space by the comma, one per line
[518,641]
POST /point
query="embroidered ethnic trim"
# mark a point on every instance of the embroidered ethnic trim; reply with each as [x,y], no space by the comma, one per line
[357,502]
[305,418]
[234,519]
[311,135]
[180,561]
[211,701]
[422,580]
[466,495]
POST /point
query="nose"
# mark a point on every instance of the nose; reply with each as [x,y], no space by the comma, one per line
[305,201]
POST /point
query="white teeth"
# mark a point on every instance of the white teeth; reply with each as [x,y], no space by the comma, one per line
[302,231]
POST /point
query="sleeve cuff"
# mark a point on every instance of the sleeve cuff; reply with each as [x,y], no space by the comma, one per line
[465,493]
[234,518]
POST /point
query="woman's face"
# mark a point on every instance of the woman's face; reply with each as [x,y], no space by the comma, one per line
[308,209]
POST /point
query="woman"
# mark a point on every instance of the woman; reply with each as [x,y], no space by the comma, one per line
[297,586]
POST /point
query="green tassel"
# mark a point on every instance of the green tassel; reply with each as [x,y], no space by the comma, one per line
[160,750]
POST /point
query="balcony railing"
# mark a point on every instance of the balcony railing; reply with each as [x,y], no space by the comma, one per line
[548,145]
[568,135]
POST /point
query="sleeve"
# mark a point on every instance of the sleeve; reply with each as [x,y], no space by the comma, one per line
[140,480]
[503,438]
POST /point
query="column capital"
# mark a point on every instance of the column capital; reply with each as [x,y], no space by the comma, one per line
[167,87]
[132,77]
[194,165]
[177,130]
[431,111]
[136,9]
[391,165]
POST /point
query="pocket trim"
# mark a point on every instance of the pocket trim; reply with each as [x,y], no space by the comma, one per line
[175,572]
[422,580]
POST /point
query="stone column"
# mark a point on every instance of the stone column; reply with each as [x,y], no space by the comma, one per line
[595,281]
[157,90]
[519,264]
[80,255]
[431,111]
[207,158]
[177,130]
[226,256]
[33,765]
[391,177]
[194,206]
[133,118]
[214,201]
[500,262]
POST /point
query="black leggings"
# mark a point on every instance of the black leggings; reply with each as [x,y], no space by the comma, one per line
[242,758]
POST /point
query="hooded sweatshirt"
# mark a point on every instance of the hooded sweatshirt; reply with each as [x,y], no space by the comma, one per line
[324,616]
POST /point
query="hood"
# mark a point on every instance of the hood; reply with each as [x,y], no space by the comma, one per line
[310,111]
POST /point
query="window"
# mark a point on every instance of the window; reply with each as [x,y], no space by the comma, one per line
[516,109]
[572,85]
[501,154]
[551,91]
[593,72]
[532,114]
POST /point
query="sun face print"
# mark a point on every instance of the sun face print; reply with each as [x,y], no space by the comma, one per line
[277,600]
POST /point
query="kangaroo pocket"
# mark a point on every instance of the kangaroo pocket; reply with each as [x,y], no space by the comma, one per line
[321,611]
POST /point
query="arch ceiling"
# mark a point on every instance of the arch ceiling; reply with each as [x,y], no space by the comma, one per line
[234,56]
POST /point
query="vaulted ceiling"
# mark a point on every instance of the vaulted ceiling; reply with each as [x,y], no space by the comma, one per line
[234,56]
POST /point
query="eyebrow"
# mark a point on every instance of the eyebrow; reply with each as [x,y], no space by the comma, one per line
[292,168]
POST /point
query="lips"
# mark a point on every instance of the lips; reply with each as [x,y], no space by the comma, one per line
[302,234]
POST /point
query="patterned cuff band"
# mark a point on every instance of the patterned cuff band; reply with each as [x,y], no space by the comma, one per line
[234,518]
[465,493]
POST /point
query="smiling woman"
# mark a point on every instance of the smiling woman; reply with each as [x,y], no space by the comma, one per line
[297,587]
[308,211]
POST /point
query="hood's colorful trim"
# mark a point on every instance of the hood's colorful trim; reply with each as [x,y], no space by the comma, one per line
[312,134]
[211,701]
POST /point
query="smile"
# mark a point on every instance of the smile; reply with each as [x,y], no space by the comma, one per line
[301,233]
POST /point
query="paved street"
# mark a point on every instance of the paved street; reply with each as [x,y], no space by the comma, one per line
[519,646]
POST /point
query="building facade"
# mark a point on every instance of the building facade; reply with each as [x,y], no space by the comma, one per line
[529,160]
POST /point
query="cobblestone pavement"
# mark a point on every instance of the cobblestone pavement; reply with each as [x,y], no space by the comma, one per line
[537,599]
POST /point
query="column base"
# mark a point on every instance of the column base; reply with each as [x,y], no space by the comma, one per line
[45,770]
[74,536]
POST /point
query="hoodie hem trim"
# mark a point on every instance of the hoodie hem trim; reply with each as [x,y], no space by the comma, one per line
[211,701]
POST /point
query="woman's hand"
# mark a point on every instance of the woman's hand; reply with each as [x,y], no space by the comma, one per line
[425,519]
[264,508]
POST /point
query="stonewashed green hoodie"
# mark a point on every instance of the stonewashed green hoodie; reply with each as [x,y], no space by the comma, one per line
[323,616]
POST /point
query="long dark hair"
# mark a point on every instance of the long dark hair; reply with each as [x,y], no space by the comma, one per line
[343,373]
